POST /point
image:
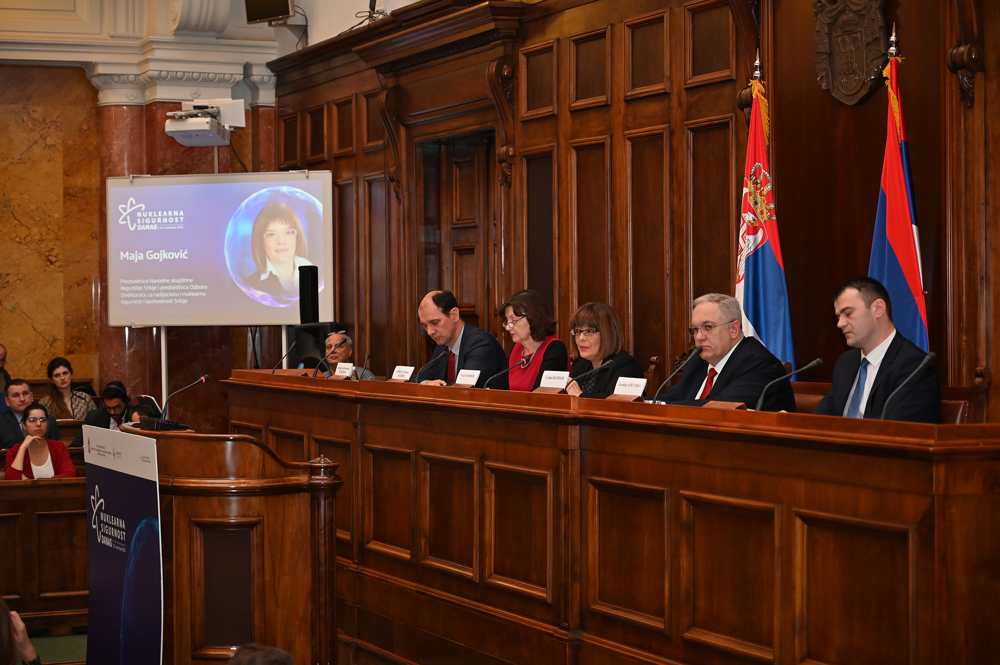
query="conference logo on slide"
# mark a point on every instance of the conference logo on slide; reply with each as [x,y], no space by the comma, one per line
[137,218]
[111,530]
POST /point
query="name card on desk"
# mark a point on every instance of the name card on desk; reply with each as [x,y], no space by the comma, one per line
[628,389]
[467,377]
[343,370]
[553,381]
[402,373]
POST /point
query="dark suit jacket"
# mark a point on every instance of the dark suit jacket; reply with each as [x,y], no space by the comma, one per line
[920,400]
[11,432]
[479,350]
[602,383]
[98,417]
[746,373]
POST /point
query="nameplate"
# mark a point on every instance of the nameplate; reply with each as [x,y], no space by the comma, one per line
[402,373]
[467,377]
[628,389]
[343,371]
[553,381]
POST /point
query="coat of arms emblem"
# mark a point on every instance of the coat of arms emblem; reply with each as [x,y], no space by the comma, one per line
[851,47]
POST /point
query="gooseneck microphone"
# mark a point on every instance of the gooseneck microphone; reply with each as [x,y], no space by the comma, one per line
[282,359]
[763,392]
[923,363]
[691,355]
[322,361]
[590,372]
[522,364]
[359,375]
[431,363]
[166,403]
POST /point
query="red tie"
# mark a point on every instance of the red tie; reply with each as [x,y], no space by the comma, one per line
[451,366]
[708,383]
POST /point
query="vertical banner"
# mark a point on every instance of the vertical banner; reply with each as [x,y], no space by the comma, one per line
[126,566]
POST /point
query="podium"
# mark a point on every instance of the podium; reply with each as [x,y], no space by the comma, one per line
[248,543]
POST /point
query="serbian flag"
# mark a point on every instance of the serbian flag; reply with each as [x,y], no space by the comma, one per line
[895,259]
[760,270]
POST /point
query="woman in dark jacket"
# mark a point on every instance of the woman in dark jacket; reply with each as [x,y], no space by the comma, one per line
[596,342]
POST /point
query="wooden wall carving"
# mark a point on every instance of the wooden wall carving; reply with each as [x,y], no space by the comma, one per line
[851,45]
[655,83]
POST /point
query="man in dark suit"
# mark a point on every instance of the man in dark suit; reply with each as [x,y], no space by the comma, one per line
[879,360]
[111,413]
[730,367]
[460,345]
[18,397]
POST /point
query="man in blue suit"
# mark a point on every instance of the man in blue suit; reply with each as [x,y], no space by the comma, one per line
[460,345]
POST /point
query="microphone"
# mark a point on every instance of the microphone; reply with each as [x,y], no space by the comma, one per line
[359,375]
[923,363]
[322,361]
[522,364]
[591,372]
[809,365]
[429,364]
[282,359]
[663,385]
[166,403]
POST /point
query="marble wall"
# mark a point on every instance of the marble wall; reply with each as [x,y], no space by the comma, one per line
[50,193]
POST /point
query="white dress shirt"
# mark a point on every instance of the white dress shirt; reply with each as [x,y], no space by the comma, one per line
[718,367]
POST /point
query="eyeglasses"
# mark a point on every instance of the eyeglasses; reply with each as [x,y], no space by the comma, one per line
[36,420]
[708,327]
[510,323]
[584,333]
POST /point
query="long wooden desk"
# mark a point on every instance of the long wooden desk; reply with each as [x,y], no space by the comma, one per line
[486,527]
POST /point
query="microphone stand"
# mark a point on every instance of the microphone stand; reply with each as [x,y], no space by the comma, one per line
[763,392]
[663,385]
[888,400]
[522,364]
[282,359]
[166,403]
[429,364]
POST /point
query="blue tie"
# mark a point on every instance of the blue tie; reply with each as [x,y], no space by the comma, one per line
[854,408]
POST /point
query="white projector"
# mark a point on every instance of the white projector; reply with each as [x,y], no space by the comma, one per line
[198,131]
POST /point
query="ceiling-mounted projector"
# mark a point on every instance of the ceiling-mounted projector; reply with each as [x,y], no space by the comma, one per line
[205,122]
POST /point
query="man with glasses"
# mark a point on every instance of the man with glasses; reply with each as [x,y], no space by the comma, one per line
[460,345]
[18,396]
[729,366]
[111,413]
[340,349]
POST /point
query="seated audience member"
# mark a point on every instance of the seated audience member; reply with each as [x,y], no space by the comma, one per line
[527,320]
[340,349]
[19,396]
[879,360]
[15,647]
[729,366]
[596,341]
[111,413]
[143,408]
[37,457]
[258,654]
[4,375]
[460,345]
[62,401]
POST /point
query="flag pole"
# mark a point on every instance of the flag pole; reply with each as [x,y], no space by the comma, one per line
[892,42]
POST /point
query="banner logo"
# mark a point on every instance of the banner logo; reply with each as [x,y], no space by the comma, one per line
[137,218]
[111,530]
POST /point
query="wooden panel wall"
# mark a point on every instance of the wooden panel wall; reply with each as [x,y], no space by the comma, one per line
[614,127]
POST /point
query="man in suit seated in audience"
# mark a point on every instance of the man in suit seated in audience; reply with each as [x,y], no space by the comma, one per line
[111,413]
[880,359]
[18,397]
[340,349]
[465,345]
[730,367]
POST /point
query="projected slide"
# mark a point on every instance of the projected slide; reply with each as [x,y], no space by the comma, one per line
[217,249]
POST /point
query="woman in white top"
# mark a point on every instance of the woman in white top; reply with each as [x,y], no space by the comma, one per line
[279,249]
[37,457]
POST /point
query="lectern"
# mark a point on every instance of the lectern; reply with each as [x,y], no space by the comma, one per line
[248,548]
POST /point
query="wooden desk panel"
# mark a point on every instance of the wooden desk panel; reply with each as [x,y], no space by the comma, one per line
[507,527]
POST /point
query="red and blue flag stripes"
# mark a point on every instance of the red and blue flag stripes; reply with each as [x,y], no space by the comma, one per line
[760,268]
[895,257]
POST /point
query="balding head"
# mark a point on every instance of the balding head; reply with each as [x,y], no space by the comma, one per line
[440,317]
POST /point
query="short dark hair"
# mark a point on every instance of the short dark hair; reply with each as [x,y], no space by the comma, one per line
[602,318]
[115,390]
[531,305]
[56,363]
[258,654]
[445,300]
[35,406]
[16,382]
[870,290]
